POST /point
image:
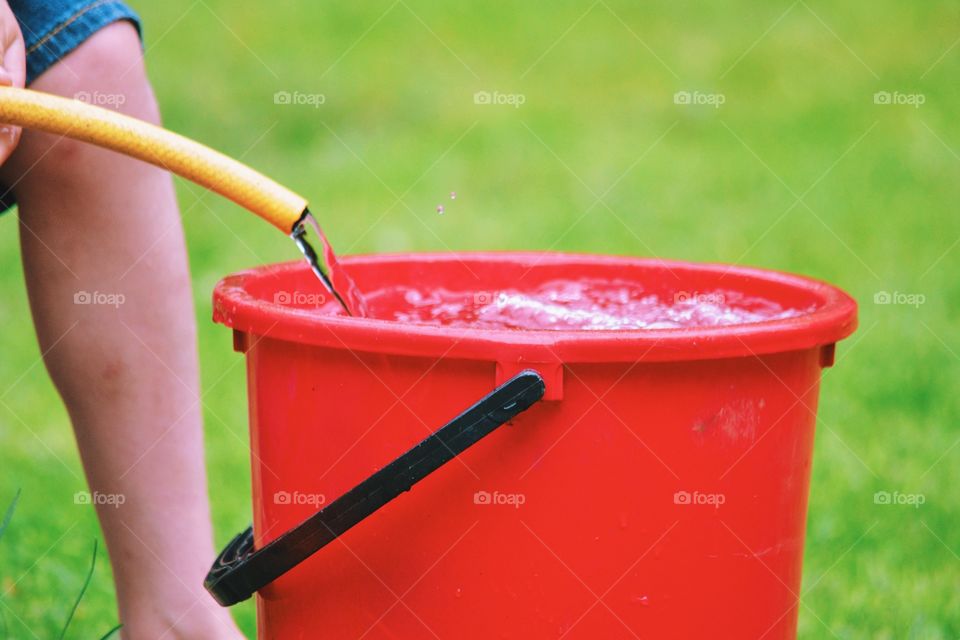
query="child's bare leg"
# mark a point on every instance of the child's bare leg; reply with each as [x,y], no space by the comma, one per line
[94,221]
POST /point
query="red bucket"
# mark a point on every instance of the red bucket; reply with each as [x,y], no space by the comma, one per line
[658,490]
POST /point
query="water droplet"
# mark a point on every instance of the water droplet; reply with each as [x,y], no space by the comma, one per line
[459,592]
[453,195]
[440,209]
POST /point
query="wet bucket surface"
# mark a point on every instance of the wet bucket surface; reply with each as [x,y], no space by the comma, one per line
[658,491]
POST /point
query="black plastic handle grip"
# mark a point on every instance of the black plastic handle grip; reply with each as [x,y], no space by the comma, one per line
[241,570]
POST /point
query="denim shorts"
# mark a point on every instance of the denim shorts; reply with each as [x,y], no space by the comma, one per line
[53,28]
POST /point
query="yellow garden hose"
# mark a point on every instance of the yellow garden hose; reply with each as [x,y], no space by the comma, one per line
[191,160]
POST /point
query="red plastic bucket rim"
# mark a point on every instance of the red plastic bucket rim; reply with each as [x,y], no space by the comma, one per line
[833,318]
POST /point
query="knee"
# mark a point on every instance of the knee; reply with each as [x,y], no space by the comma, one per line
[107,70]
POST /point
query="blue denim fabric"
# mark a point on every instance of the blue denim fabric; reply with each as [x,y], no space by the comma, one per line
[53,28]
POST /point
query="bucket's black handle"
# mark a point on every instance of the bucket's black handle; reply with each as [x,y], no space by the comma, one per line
[241,570]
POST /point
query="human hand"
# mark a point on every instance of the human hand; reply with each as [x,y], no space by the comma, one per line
[12,71]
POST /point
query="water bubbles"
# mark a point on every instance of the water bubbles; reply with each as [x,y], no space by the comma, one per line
[587,304]
[440,209]
[453,195]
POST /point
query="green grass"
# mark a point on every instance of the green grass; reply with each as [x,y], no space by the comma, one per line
[878,212]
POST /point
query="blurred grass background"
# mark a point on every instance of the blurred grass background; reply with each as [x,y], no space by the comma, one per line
[799,170]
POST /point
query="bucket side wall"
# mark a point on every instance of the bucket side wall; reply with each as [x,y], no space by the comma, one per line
[677,490]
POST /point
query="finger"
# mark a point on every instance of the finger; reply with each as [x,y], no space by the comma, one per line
[12,73]
[9,136]
[15,64]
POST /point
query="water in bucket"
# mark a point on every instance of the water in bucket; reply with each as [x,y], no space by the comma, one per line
[567,304]
[563,304]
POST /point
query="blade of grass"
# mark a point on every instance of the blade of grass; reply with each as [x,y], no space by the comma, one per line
[83,590]
[111,632]
[3,527]
[9,514]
